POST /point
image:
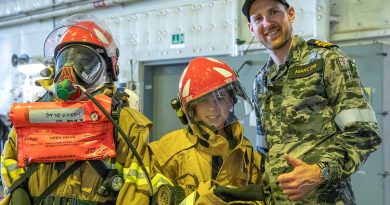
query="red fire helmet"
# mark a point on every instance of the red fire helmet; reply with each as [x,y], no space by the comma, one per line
[202,76]
[86,30]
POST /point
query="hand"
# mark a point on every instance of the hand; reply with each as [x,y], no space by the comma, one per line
[303,179]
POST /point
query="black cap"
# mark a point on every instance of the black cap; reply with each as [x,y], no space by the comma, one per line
[248,3]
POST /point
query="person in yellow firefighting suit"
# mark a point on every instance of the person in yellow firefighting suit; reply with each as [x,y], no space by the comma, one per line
[85,54]
[209,161]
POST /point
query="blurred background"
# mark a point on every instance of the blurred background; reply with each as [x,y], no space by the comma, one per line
[157,38]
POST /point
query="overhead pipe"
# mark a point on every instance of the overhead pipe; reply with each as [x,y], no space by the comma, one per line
[24,12]
[63,12]
[235,26]
[322,20]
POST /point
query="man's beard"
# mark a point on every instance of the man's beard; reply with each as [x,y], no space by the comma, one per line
[278,43]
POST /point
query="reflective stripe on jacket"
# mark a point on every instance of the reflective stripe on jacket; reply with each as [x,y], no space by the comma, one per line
[83,183]
[187,160]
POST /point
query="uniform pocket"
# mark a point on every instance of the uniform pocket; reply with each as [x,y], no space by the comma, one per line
[305,104]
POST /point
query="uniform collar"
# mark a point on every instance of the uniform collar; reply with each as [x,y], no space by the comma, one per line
[274,72]
[217,144]
[295,52]
[296,49]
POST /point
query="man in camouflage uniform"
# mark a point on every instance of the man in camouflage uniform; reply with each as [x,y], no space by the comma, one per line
[312,111]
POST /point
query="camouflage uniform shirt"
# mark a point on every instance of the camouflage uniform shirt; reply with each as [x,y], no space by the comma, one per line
[314,108]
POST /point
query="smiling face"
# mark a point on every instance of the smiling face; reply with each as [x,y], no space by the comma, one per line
[213,108]
[271,23]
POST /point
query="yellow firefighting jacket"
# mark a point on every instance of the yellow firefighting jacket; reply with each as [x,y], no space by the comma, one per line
[83,183]
[197,164]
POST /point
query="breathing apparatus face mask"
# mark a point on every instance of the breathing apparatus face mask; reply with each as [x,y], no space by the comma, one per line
[82,65]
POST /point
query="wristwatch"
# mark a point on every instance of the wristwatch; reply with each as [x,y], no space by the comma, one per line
[325,171]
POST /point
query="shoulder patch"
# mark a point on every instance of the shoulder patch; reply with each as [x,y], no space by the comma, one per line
[322,44]
[348,68]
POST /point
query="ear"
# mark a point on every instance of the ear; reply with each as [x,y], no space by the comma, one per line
[191,112]
[291,14]
[251,28]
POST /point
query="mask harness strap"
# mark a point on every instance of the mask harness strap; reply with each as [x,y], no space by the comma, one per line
[119,101]
[58,181]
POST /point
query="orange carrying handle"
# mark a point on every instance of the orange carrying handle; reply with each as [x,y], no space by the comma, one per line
[62,131]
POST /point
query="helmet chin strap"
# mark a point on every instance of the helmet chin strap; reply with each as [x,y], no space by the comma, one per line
[203,129]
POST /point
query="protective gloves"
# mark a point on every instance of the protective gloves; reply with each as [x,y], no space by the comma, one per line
[253,192]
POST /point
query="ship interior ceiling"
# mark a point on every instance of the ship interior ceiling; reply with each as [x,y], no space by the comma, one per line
[157,39]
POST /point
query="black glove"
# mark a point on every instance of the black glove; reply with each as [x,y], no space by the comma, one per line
[253,192]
